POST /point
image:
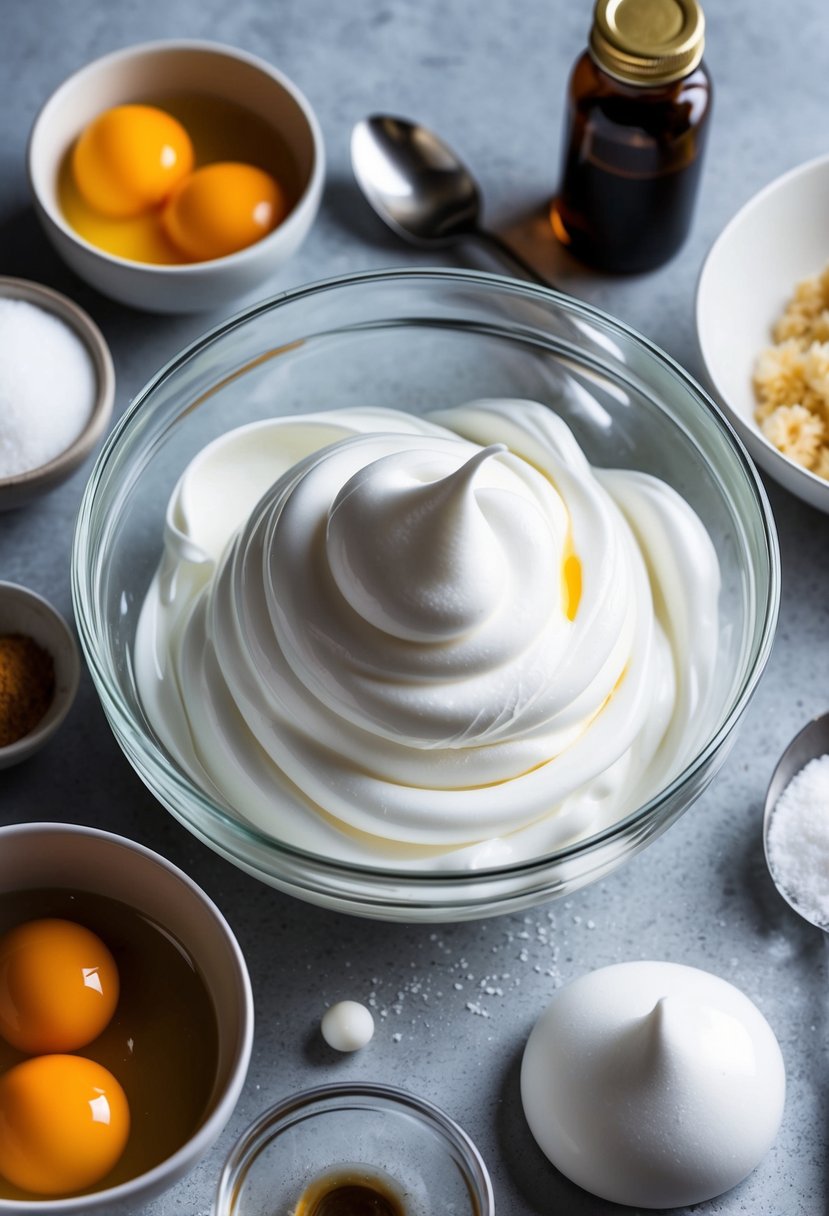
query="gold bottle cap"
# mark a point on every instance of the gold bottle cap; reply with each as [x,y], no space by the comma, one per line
[648,42]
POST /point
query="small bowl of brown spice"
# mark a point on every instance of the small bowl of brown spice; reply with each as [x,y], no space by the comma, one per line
[39,672]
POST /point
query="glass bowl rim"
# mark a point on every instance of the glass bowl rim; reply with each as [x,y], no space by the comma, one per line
[277,1117]
[433,879]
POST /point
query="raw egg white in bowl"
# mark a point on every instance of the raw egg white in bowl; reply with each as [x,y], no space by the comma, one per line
[777,239]
[420,341]
[209,85]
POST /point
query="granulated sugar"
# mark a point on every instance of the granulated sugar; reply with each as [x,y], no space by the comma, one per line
[450,979]
[798,840]
[47,387]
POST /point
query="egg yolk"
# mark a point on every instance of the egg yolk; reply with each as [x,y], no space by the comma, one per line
[64,1122]
[222,208]
[130,158]
[571,574]
[58,986]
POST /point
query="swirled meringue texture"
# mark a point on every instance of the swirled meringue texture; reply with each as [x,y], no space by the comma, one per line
[427,643]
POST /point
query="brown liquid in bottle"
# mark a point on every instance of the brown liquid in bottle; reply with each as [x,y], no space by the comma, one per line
[349,1193]
[637,118]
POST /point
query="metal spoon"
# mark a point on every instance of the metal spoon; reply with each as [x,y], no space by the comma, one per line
[420,188]
[811,742]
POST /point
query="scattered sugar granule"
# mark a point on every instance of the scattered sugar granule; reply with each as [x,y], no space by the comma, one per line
[798,840]
[477,1009]
[47,387]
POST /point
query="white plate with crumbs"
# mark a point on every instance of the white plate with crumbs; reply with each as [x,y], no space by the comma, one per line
[776,241]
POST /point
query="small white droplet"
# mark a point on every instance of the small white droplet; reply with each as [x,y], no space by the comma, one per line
[347,1026]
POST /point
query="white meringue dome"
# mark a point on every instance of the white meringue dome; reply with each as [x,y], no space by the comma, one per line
[653,1084]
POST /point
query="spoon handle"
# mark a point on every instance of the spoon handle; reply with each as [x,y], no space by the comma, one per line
[491,238]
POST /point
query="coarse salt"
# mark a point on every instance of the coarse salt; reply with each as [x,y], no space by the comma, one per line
[47,386]
[798,840]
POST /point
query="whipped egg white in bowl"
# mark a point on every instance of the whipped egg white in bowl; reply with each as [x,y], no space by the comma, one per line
[425,595]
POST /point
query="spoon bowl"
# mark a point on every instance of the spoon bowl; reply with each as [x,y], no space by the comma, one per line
[420,188]
[414,182]
[810,743]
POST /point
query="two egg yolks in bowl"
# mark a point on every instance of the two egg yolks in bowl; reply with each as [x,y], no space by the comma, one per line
[108,1041]
[65,1118]
[191,180]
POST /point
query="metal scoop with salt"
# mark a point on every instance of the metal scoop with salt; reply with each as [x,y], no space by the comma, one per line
[796,824]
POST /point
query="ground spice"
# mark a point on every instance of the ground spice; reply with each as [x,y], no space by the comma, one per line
[27,685]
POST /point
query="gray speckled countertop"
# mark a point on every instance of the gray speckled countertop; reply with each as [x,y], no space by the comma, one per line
[491,78]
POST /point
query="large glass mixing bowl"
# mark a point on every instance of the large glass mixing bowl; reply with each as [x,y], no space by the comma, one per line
[417,340]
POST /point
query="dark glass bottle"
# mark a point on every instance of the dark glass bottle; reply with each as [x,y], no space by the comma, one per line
[638,106]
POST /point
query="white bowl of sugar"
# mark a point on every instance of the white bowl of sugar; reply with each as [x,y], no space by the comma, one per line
[57,386]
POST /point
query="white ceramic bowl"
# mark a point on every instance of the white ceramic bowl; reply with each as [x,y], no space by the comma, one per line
[143,74]
[50,855]
[23,611]
[779,237]
[23,487]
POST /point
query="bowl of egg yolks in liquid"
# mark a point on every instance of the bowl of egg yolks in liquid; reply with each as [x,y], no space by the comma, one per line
[125,1022]
[176,176]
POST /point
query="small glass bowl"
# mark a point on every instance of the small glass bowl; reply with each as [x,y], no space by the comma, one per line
[358,1130]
